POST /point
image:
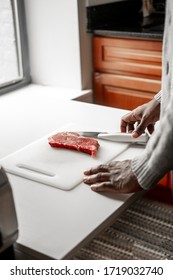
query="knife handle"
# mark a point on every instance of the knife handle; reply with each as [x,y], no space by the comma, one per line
[123,137]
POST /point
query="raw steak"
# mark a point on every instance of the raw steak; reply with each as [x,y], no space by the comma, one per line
[74,141]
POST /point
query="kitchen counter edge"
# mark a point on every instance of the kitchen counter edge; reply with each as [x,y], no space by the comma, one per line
[128,34]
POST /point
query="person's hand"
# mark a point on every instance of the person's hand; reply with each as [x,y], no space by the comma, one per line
[144,116]
[117,176]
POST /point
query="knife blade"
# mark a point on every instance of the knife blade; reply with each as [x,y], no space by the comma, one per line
[91,133]
[124,137]
[117,136]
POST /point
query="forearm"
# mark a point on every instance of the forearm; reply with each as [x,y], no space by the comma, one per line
[157,158]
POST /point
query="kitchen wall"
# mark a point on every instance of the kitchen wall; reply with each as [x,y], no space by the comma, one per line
[59,47]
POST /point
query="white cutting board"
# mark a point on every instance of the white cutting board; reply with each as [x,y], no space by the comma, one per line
[58,167]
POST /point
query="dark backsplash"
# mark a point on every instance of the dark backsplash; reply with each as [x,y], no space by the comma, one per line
[114,14]
[159,6]
[124,15]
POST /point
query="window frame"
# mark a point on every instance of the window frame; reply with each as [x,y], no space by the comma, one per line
[18,10]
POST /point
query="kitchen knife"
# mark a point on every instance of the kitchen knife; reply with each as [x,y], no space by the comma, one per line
[117,136]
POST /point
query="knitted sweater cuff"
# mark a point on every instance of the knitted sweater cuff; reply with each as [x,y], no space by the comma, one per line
[158,96]
[144,173]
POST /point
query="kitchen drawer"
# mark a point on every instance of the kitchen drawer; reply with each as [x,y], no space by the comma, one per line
[138,57]
[125,92]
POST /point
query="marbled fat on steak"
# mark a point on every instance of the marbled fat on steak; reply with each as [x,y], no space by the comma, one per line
[74,141]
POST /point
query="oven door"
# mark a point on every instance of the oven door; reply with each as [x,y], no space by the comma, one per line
[8,218]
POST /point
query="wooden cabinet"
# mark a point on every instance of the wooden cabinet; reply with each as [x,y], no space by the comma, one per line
[127,72]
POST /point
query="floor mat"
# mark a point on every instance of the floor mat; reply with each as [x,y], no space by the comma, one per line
[143,231]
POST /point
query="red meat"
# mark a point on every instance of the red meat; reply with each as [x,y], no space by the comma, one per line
[74,141]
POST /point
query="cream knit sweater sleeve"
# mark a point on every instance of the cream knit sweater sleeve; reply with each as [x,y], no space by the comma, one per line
[157,158]
[158,96]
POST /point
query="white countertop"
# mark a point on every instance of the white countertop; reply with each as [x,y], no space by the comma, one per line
[54,223]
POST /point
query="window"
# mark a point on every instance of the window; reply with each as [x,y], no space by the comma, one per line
[14,61]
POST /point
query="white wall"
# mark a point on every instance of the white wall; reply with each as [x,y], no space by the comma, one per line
[55,43]
[85,48]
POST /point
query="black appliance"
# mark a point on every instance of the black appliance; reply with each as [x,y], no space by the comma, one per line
[8,218]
